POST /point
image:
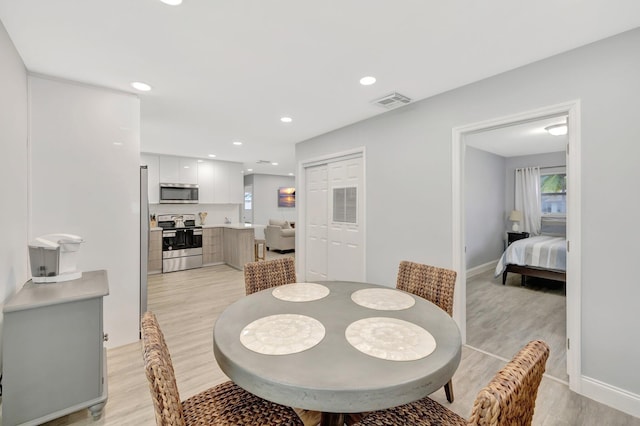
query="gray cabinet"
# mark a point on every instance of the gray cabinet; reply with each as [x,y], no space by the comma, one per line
[212,248]
[154,264]
[53,352]
[238,246]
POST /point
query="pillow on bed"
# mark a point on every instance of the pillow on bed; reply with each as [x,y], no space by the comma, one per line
[553,226]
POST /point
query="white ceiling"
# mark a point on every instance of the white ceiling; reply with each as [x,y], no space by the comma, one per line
[518,139]
[227,70]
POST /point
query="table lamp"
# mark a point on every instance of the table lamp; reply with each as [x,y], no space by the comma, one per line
[515,217]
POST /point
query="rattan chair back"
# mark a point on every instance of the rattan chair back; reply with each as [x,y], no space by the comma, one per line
[270,273]
[510,398]
[429,282]
[160,374]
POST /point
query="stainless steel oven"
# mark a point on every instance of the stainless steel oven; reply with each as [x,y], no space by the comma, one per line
[181,245]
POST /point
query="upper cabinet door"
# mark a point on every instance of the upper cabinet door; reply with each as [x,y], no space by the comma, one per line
[178,170]
[188,170]
[153,176]
[169,169]
[205,182]
[236,183]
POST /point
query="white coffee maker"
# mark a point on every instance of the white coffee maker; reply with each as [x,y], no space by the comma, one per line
[53,258]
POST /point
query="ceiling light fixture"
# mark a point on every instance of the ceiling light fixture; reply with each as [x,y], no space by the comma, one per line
[286,119]
[212,155]
[290,174]
[249,170]
[367,81]
[237,143]
[172,2]
[274,164]
[143,87]
[557,129]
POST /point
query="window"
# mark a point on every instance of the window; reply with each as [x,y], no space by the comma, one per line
[248,197]
[553,194]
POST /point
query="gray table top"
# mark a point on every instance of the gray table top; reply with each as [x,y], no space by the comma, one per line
[32,295]
[333,376]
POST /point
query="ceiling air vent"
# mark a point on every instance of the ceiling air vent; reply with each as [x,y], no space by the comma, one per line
[393,100]
[263,162]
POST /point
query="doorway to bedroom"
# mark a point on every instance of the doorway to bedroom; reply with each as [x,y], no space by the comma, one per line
[494,161]
[499,319]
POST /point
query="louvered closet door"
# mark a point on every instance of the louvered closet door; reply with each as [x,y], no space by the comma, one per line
[316,222]
[345,225]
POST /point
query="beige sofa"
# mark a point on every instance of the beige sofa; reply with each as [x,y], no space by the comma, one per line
[279,235]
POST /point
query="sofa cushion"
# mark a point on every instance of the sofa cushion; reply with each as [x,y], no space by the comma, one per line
[277,222]
[288,232]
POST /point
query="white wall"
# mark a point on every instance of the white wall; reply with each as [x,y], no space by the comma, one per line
[13,172]
[409,195]
[84,184]
[265,198]
[484,200]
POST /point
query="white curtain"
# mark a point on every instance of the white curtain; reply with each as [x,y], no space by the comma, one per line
[528,198]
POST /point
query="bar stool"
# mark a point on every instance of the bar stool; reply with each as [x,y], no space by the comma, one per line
[260,249]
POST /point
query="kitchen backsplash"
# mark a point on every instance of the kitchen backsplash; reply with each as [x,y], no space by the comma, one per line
[216,213]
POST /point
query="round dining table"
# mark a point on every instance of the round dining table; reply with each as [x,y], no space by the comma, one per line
[355,353]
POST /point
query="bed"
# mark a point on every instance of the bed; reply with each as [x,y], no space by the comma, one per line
[542,256]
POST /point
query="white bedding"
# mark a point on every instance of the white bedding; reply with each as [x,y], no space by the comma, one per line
[542,251]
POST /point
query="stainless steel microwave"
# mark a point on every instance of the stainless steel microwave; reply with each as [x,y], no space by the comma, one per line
[178,193]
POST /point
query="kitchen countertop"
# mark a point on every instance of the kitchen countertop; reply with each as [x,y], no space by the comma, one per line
[219,225]
[230,225]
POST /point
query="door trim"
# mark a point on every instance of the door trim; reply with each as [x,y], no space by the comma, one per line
[573,286]
[301,202]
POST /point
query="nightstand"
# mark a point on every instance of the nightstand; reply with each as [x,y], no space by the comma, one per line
[515,236]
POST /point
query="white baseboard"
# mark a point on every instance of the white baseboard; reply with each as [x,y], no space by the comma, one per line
[612,396]
[482,268]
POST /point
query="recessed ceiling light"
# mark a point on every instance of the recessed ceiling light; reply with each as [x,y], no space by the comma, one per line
[249,170]
[367,81]
[143,87]
[286,119]
[186,167]
[172,2]
[212,155]
[200,161]
[237,143]
[274,164]
[290,174]
[117,143]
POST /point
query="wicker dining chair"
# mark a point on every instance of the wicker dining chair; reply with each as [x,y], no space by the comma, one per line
[508,399]
[267,274]
[431,283]
[222,405]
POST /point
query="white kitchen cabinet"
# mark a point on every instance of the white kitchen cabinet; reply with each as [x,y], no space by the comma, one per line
[152,162]
[54,357]
[169,169]
[219,182]
[228,183]
[178,169]
[188,170]
[206,189]
[236,183]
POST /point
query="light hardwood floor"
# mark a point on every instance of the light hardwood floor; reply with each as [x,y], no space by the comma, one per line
[502,319]
[187,304]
